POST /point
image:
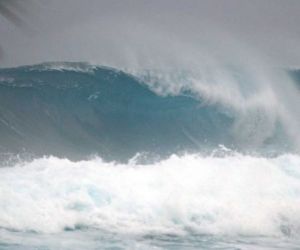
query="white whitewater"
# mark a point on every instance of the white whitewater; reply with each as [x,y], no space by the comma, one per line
[230,195]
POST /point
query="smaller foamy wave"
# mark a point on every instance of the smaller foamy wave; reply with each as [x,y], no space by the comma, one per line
[231,195]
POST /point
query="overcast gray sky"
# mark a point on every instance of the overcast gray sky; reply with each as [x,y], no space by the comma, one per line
[115,32]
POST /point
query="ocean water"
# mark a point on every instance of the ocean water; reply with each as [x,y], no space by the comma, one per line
[101,158]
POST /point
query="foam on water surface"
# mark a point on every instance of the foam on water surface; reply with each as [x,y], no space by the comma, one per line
[231,195]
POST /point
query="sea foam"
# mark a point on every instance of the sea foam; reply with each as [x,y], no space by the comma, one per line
[228,195]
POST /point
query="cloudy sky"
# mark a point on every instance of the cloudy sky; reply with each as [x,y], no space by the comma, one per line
[116,32]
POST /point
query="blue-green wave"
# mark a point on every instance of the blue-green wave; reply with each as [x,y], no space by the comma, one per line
[80,110]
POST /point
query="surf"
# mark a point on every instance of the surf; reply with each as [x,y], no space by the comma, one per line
[161,153]
[189,195]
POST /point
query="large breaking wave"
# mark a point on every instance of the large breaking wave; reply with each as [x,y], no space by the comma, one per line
[75,110]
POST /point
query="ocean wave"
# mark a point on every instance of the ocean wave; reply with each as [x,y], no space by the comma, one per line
[229,195]
[62,109]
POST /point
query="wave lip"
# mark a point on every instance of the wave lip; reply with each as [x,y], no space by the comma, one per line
[232,195]
[80,67]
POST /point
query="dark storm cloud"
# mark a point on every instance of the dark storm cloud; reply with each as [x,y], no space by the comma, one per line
[108,31]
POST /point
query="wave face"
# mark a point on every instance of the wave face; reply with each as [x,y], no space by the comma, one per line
[75,110]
